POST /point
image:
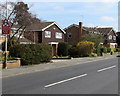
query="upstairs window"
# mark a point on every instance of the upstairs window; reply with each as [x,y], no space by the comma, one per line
[69,35]
[58,35]
[47,34]
[114,37]
[110,37]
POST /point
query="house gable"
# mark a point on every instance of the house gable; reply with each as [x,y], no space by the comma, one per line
[108,33]
[53,34]
[113,35]
[73,25]
[72,34]
[54,23]
[112,32]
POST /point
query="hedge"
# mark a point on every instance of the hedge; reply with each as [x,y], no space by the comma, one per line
[32,53]
[63,49]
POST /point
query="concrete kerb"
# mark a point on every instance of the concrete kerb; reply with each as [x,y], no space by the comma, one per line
[43,67]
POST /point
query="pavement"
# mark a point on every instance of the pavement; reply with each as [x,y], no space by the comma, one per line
[47,66]
[98,75]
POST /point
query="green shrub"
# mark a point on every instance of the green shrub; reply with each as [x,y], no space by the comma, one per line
[83,49]
[105,49]
[93,37]
[73,52]
[63,49]
[114,49]
[108,50]
[93,55]
[111,50]
[2,58]
[98,50]
[32,53]
[8,45]
[117,49]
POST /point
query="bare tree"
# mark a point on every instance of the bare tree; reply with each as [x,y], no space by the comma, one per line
[19,17]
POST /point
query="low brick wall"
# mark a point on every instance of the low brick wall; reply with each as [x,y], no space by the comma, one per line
[12,64]
[0,66]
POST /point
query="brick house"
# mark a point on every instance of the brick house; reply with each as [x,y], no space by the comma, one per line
[75,32]
[108,33]
[109,37]
[46,32]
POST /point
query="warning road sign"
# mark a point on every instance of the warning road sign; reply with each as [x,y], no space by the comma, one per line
[5,27]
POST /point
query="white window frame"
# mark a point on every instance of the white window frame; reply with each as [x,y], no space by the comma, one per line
[69,35]
[60,35]
[114,37]
[47,34]
[110,37]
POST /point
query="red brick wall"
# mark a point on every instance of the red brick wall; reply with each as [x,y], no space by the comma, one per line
[30,35]
[53,29]
[74,35]
[13,64]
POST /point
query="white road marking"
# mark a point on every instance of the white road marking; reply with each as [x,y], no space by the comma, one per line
[65,80]
[106,68]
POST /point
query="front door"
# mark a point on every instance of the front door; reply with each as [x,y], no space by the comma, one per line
[54,49]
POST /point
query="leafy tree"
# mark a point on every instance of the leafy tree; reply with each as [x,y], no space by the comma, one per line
[96,38]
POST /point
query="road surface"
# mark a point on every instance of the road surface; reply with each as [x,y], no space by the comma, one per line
[98,77]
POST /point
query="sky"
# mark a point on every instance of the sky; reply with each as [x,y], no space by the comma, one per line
[92,14]
[66,12]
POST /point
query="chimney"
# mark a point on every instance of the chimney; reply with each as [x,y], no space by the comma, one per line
[80,31]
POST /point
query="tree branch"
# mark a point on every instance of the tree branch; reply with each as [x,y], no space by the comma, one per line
[16,32]
[21,33]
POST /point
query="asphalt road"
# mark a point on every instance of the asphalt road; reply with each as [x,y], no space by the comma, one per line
[99,77]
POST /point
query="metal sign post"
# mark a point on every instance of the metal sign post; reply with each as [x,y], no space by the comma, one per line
[5,31]
[6,40]
[5,62]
